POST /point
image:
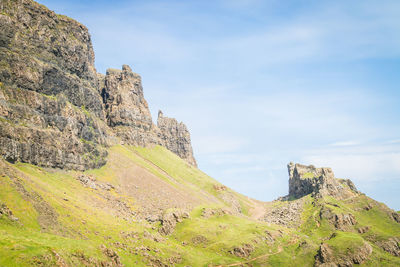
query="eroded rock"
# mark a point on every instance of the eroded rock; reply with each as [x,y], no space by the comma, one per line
[243,251]
[170,219]
[176,137]
[392,246]
[304,180]
[327,257]
[340,221]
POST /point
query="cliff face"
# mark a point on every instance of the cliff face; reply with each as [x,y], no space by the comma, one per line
[175,137]
[304,180]
[55,109]
[127,112]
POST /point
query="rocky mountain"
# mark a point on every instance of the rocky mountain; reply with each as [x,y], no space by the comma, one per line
[57,111]
[87,178]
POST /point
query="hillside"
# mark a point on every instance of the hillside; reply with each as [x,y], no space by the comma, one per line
[87,178]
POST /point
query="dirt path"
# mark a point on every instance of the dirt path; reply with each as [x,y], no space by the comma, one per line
[258,210]
[280,249]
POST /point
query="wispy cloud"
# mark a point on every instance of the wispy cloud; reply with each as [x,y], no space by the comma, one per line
[345,143]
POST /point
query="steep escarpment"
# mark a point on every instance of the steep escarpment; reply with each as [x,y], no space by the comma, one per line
[55,109]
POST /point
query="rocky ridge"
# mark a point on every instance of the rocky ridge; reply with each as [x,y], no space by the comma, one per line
[55,109]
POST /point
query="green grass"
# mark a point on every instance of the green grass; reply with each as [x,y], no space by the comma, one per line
[84,222]
[308,175]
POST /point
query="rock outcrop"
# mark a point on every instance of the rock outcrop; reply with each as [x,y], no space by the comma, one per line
[392,246]
[55,109]
[304,180]
[127,111]
[176,137]
[170,219]
[327,257]
[340,221]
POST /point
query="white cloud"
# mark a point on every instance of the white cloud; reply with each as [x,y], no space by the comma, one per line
[345,143]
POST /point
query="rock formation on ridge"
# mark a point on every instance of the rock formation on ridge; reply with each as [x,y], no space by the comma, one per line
[176,137]
[55,109]
[304,180]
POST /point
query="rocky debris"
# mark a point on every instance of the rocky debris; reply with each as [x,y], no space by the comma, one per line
[219,187]
[59,260]
[243,251]
[155,237]
[363,229]
[4,210]
[90,261]
[129,235]
[199,239]
[92,183]
[153,218]
[231,200]
[304,180]
[175,137]
[170,219]
[119,207]
[208,212]
[112,255]
[327,257]
[287,214]
[392,246]
[340,221]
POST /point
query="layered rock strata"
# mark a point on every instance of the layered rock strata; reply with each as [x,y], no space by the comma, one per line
[55,109]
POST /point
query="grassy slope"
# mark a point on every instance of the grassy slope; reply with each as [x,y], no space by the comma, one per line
[85,222]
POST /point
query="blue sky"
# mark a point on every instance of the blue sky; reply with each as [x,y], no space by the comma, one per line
[263,83]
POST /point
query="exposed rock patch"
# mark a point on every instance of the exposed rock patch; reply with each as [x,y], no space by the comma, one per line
[287,214]
[392,246]
[90,182]
[396,216]
[327,257]
[199,239]
[5,211]
[363,229]
[112,255]
[170,219]
[340,221]
[243,251]
[208,212]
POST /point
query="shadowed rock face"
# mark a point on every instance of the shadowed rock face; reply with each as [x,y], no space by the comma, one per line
[304,180]
[55,109]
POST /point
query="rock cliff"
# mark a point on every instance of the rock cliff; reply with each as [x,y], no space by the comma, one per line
[55,109]
[304,180]
[176,137]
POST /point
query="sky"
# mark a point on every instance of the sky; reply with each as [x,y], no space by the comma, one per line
[263,83]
